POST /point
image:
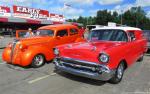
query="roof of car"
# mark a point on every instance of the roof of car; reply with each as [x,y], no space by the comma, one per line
[56,26]
[118,27]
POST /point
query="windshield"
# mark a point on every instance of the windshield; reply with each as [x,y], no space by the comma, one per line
[108,35]
[44,32]
[22,34]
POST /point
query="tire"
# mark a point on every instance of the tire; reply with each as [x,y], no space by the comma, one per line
[141,58]
[38,61]
[148,51]
[118,74]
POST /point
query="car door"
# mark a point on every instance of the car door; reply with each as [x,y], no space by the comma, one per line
[61,37]
[73,34]
[134,46]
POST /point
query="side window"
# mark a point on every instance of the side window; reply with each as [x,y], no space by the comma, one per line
[73,31]
[119,35]
[132,35]
[62,33]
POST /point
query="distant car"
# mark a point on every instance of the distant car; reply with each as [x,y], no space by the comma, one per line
[104,56]
[147,35]
[37,49]
[90,27]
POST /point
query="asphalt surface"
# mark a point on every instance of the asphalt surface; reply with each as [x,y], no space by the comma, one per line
[18,80]
[5,40]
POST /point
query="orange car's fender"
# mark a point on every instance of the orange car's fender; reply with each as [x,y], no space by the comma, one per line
[6,55]
[28,55]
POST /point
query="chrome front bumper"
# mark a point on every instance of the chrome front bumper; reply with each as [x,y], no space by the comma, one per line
[104,73]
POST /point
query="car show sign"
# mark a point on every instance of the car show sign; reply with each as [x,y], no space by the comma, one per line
[30,13]
[56,17]
[5,11]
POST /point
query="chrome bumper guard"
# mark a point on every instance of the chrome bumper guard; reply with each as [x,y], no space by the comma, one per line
[84,68]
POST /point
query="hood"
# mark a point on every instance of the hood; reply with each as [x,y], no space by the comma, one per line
[88,51]
[35,40]
[92,46]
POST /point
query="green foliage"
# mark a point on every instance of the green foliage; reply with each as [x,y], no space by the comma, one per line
[135,17]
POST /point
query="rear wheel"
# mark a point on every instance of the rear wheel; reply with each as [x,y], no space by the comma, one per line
[38,61]
[148,51]
[118,74]
[141,58]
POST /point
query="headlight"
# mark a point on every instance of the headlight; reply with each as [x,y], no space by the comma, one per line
[56,51]
[23,46]
[9,45]
[104,58]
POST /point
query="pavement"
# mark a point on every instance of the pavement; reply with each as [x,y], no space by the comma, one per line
[44,80]
[5,40]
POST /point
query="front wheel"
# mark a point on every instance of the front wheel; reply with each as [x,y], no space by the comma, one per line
[118,74]
[38,61]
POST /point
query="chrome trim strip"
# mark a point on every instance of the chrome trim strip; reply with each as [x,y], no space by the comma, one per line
[81,61]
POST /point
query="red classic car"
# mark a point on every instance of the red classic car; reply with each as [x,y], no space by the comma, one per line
[104,56]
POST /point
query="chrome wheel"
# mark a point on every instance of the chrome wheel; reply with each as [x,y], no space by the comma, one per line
[38,61]
[118,74]
[120,71]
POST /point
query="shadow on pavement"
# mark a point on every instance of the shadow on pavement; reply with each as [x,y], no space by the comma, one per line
[147,54]
[81,79]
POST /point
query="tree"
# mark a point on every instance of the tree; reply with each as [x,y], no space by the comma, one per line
[135,17]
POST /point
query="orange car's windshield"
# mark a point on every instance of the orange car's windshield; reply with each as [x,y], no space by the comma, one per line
[44,33]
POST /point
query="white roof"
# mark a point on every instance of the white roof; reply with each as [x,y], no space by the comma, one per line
[117,27]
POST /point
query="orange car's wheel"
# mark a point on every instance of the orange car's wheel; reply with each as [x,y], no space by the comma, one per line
[38,61]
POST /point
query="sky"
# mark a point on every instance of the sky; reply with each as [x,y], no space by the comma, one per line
[78,8]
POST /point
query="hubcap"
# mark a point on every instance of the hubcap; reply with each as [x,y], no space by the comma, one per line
[120,71]
[38,60]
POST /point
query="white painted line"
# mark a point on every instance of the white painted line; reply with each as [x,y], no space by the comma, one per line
[53,74]
[38,79]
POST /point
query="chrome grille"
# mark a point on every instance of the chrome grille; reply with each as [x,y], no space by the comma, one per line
[13,48]
[78,64]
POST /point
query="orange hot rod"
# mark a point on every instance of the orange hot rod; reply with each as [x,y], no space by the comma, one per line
[37,49]
[106,54]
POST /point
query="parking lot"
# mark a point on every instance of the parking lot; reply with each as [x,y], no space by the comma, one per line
[17,80]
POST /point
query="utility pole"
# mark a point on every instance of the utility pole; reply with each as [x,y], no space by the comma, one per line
[136,16]
[121,17]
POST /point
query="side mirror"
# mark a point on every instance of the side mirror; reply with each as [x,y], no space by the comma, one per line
[133,38]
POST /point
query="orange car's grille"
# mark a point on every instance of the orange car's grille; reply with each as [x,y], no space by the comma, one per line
[13,48]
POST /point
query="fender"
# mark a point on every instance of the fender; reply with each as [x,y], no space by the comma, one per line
[28,54]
